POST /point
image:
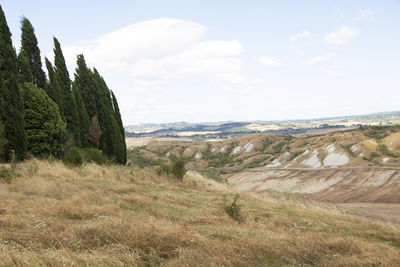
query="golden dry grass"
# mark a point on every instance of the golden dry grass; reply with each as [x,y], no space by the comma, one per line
[114,216]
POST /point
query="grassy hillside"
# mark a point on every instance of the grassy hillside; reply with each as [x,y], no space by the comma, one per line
[115,216]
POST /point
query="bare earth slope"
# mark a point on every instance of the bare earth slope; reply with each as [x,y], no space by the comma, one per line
[338,185]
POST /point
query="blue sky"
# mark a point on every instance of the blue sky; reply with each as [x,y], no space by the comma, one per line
[229,60]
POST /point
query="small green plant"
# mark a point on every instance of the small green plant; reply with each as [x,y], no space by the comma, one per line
[371,156]
[176,168]
[8,174]
[385,151]
[73,157]
[212,174]
[93,155]
[233,209]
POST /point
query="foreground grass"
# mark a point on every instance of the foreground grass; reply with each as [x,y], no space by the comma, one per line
[113,216]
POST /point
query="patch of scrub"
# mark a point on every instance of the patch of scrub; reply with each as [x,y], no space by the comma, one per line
[236,150]
[384,160]
[313,161]
[330,148]
[354,148]
[198,155]
[274,163]
[248,147]
[336,159]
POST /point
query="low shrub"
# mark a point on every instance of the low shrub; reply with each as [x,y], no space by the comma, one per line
[233,210]
[176,168]
[73,157]
[7,174]
[212,174]
[93,155]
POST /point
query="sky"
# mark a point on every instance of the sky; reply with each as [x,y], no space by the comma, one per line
[199,61]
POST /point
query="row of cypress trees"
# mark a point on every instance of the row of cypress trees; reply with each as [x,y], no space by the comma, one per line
[46,117]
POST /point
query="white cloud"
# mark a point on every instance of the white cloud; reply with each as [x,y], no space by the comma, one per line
[161,49]
[342,36]
[258,81]
[319,59]
[366,14]
[302,34]
[269,61]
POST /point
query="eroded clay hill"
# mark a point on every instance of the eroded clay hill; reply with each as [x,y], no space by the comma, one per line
[368,146]
[337,185]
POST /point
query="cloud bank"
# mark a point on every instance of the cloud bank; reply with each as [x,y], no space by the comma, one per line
[342,36]
[161,49]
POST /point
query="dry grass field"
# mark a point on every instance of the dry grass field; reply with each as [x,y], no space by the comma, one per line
[52,215]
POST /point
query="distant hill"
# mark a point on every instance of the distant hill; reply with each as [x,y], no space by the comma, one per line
[286,127]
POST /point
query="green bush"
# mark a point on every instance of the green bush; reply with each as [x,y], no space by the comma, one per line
[175,168]
[233,210]
[93,155]
[385,150]
[371,156]
[73,157]
[6,174]
[178,168]
[212,174]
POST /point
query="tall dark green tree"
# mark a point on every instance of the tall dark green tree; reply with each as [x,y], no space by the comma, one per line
[29,46]
[24,69]
[44,128]
[111,141]
[62,84]
[85,97]
[118,118]
[85,79]
[11,107]
[82,115]
[51,88]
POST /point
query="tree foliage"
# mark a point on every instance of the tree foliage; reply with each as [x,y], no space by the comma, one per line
[24,70]
[29,47]
[54,114]
[62,83]
[44,128]
[94,132]
[11,108]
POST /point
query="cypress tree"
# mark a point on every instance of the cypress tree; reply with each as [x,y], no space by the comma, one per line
[51,88]
[11,108]
[85,98]
[44,128]
[82,115]
[85,79]
[29,45]
[63,86]
[118,118]
[24,69]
